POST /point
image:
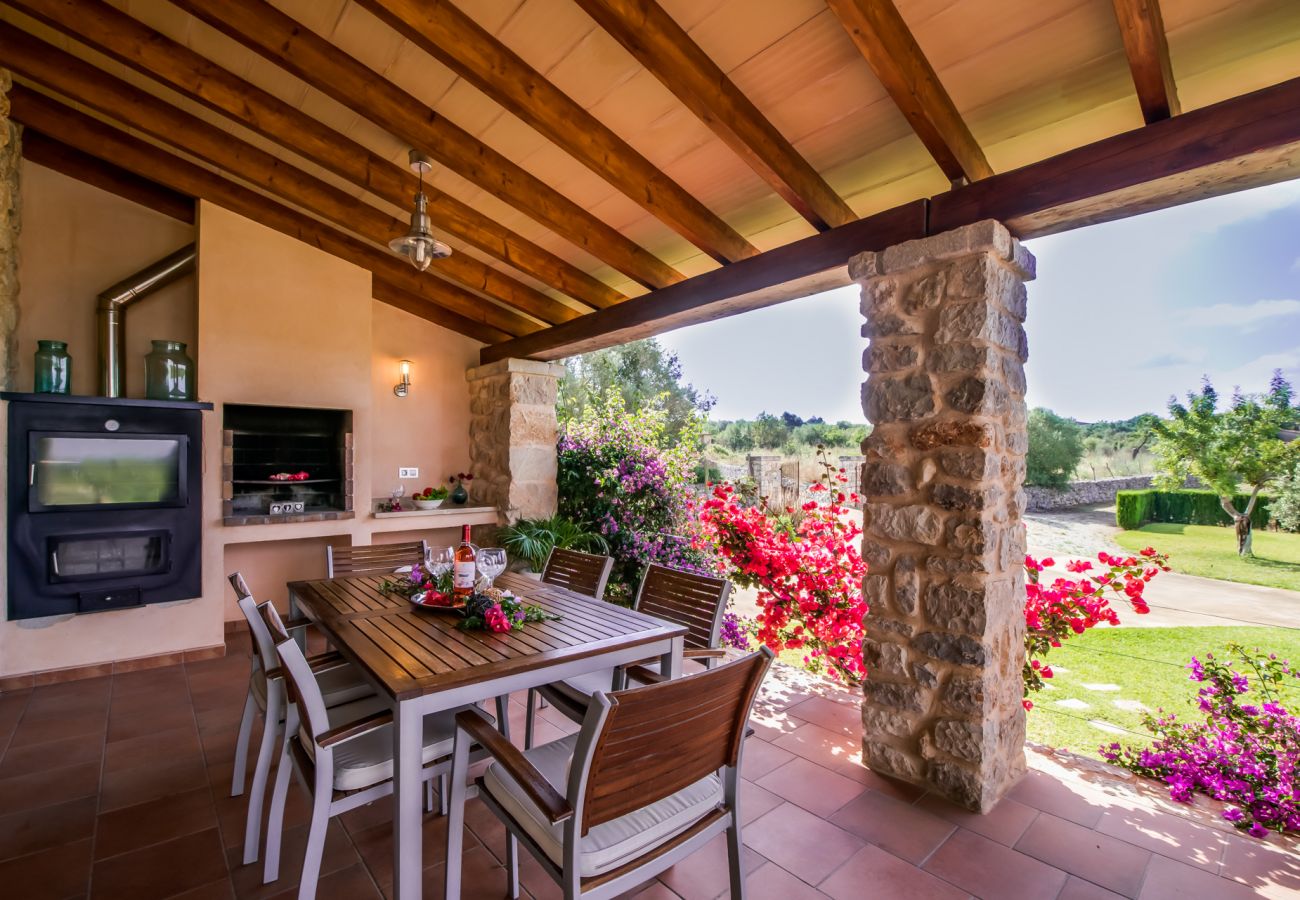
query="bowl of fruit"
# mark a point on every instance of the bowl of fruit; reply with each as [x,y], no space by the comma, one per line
[430,498]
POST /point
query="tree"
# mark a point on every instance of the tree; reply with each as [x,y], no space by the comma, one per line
[640,372]
[1055,448]
[791,420]
[1240,445]
[768,431]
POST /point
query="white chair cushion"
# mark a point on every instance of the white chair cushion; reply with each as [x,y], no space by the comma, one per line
[581,688]
[367,759]
[339,685]
[610,844]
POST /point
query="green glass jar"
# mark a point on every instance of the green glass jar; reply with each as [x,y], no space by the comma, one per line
[168,372]
[53,368]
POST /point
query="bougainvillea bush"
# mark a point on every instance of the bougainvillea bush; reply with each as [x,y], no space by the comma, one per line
[1245,750]
[806,566]
[623,476]
[1065,607]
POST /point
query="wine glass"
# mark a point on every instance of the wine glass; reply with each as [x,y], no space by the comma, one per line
[491,562]
[439,562]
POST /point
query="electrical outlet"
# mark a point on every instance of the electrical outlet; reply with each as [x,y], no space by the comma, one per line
[408,472]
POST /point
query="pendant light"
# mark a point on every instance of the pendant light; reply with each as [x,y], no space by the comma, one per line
[418,244]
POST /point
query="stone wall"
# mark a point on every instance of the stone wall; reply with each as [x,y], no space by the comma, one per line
[512,435]
[943,535]
[10,224]
[1082,493]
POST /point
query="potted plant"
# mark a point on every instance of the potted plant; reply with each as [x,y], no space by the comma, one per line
[430,498]
[460,494]
[533,539]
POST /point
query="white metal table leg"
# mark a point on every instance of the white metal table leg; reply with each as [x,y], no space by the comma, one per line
[408,796]
[670,664]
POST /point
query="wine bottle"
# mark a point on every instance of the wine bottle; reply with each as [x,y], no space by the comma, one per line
[464,568]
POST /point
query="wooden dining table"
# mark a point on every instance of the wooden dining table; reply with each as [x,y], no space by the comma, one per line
[422,663]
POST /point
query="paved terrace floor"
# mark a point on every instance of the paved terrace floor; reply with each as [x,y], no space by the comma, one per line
[118,787]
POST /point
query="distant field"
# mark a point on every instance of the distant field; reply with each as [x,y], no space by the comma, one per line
[1211,552]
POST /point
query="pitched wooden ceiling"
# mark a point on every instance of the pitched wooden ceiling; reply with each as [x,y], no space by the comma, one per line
[589,151]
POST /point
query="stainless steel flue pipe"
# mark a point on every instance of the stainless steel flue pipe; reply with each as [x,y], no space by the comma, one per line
[110,312]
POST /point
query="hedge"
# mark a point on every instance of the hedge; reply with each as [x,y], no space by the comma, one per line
[1133,509]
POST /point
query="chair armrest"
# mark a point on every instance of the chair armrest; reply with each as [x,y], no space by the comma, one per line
[540,791]
[355,729]
[298,622]
[645,676]
[704,653]
[330,660]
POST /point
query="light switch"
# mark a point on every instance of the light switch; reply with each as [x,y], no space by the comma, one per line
[408,472]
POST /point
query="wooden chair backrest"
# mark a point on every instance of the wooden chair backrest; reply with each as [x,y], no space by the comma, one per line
[585,573]
[264,653]
[375,559]
[696,601]
[300,684]
[655,740]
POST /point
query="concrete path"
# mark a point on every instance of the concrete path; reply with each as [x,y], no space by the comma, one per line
[1174,599]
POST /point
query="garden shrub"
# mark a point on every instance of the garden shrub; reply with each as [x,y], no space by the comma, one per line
[1133,509]
[1055,448]
[1285,503]
[1246,750]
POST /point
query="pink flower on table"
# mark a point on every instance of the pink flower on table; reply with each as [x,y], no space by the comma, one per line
[497,620]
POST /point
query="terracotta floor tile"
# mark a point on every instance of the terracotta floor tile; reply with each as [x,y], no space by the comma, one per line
[161,869]
[142,783]
[1042,792]
[887,876]
[232,812]
[62,871]
[655,890]
[352,883]
[375,845]
[838,752]
[481,878]
[1168,835]
[1170,880]
[38,757]
[844,718]
[801,843]
[904,830]
[1272,869]
[66,706]
[760,757]
[771,882]
[755,801]
[142,724]
[217,890]
[989,870]
[815,788]
[48,826]
[1078,889]
[1005,824]
[1108,861]
[133,827]
[43,731]
[769,722]
[339,854]
[705,874]
[48,787]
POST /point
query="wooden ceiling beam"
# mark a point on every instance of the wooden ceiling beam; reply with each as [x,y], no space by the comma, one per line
[458,42]
[72,77]
[297,49]
[1240,143]
[894,55]
[1143,30]
[444,303]
[46,151]
[655,39]
[115,34]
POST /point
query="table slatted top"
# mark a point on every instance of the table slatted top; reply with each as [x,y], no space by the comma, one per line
[411,651]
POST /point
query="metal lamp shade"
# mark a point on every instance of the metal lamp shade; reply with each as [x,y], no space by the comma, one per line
[418,244]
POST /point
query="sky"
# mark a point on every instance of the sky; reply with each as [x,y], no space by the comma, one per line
[1122,316]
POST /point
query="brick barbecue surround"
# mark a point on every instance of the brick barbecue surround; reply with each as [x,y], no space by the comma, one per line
[943,532]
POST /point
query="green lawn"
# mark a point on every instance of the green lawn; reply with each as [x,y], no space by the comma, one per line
[1211,552]
[1100,688]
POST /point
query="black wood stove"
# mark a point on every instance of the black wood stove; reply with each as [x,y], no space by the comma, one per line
[105,503]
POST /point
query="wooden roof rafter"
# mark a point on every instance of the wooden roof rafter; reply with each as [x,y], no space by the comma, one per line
[906,74]
[297,49]
[666,50]
[129,41]
[438,301]
[461,44]
[1142,28]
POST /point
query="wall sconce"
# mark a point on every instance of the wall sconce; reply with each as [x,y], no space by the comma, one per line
[404,373]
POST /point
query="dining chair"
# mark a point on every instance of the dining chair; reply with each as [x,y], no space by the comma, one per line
[583,573]
[652,776]
[375,559]
[342,755]
[340,684]
[685,598]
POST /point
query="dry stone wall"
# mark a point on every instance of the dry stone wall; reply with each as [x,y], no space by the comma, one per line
[512,435]
[10,223]
[943,537]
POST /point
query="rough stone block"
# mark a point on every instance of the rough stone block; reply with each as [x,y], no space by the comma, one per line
[889,325]
[961,433]
[977,320]
[956,608]
[971,463]
[898,399]
[963,696]
[879,297]
[884,658]
[887,721]
[963,357]
[917,524]
[883,355]
[925,293]
[907,585]
[957,649]
[978,397]
[958,783]
[885,479]
[979,237]
[866,265]
[887,760]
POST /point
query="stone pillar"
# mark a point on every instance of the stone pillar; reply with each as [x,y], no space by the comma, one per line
[944,538]
[10,223]
[766,472]
[512,435]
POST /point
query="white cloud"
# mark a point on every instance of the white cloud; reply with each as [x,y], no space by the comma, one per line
[1246,316]
[1253,377]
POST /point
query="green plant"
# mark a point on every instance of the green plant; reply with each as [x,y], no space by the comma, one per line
[533,539]
[1285,506]
[707,474]
[432,493]
[1133,509]
[1055,448]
